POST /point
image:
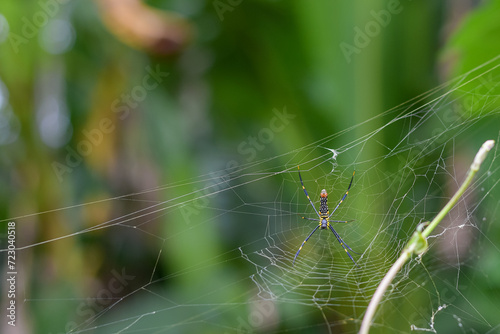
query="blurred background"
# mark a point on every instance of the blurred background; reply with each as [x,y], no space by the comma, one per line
[116,114]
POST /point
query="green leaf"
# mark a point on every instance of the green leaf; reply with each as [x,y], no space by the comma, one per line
[472,44]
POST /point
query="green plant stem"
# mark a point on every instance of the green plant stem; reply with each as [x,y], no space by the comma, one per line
[480,156]
[379,293]
[418,242]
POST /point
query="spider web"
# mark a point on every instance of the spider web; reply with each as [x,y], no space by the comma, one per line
[252,286]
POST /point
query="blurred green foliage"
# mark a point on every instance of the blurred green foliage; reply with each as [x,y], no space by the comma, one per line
[243,63]
[470,47]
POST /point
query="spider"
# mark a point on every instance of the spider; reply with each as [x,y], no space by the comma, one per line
[324,218]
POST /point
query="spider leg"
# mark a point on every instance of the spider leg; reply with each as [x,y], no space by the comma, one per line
[342,242]
[313,219]
[344,245]
[300,248]
[343,197]
[307,195]
[340,221]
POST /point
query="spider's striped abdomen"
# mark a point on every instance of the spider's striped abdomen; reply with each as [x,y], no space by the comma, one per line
[323,209]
